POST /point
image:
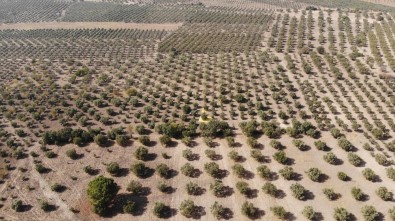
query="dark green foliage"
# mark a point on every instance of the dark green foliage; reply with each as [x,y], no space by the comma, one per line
[357,193]
[329,193]
[17,205]
[314,174]
[215,128]
[68,135]
[298,191]
[163,170]
[160,209]
[187,208]
[141,153]
[287,173]
[384,193]
[135,187]
[113,168]
[100,140]
[279,212]
[341,214]
[217,210]
[101,192]
[270,188]
[369,213]
[212,169]
[280,157]
[342,176]
[165,140]
[345,144]
[72,153]
[139,169]
[57,187]
[248,209]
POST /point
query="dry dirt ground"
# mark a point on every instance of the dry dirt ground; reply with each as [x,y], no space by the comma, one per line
[382,2]
[71,174]
[90,25]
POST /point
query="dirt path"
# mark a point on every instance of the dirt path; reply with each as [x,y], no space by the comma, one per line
[90,25]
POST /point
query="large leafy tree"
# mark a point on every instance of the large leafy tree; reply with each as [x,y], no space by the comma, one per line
[101,191]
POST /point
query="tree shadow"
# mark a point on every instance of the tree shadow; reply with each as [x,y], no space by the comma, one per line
[280,194]
[252,193]
[248,175]
[297,176]
[196,173]
[318,216]
[323,178]
[122,172]
[26,208]
[121,199]
[151,157]
[198,212]
[308,195]
[227,214]
[168,212]
[290,216]
[221,174]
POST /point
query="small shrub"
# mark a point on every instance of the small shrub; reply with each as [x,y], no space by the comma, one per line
[314,174]
[270,188]
[72,154]
[188,170]
[56,187]
[369,213]
[354,159]
[113,168]
[135,187]
[279,212]
[192,188]
[139,169]
[234,156]
[342,176]
[330,158]
[320,145]
[280,157]
[160,209]
[264,172]
[357,193]
[329,193]
[217,210]
[218,188]
[187,208]
[341,214]
[369,174]
[287,173]
[392,213]
[242,187]
[17,205]
[298,191]
[141,153]
[384,194]
[391,173]
[248,209]
[308,212]
[163,170]
[345,144]
[212,169]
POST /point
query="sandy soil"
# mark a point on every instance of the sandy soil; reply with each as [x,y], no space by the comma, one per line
[79,25]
